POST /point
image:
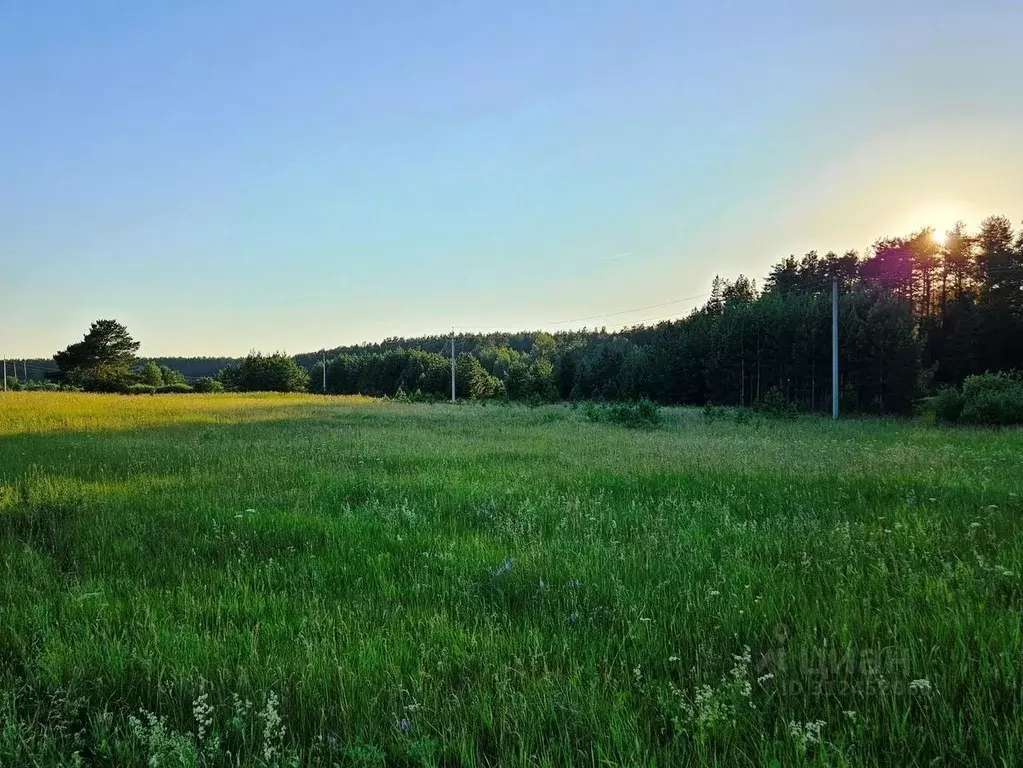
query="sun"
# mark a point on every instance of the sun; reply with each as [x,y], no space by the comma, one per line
[940,217]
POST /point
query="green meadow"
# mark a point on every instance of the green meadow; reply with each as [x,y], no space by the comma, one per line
[232,580]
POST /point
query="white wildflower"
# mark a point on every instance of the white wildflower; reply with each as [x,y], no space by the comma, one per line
[740,672]
[273,728]
[922,685]
[806,734]
[202,711]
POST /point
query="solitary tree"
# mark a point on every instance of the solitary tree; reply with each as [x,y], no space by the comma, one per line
[101,361]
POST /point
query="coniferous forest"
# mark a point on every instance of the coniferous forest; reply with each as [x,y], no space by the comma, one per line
[915,314]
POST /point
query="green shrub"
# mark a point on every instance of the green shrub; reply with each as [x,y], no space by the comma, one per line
[712,413]
[948,405]
[985,400]
[993,399]
[743,416]
[992,383]
[174,389]
[418,396]
[642,414]
[140,389]
[35,385]
[775,405]
[993,409]
[645,413]
[207,384]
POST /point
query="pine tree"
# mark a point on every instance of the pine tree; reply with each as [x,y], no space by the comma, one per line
[101,361]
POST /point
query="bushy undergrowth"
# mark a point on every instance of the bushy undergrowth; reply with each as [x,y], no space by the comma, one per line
[714,413]
[989,399]
[641,414]
[774,405]
[174,389]
[140,389]
[165,389]
[416,396]
[36,385]
[207,385]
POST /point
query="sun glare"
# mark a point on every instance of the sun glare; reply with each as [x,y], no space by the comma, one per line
[940,217]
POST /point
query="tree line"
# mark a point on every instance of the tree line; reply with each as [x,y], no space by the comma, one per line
[916,313]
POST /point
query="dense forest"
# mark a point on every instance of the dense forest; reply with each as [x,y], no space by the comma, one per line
[916,313]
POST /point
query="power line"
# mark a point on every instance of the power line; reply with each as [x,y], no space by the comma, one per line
[813,285]
[598,317]
[678,315]
[804,289]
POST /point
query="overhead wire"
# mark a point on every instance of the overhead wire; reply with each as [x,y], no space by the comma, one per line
[598,317]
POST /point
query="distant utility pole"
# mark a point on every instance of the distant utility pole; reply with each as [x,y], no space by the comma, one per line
[452,365]
[834,348]
[324,370]
[5,374]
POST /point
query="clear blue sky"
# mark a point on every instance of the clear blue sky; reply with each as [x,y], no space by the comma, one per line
[230,175]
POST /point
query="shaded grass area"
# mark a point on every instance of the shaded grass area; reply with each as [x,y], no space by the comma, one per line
[436,585]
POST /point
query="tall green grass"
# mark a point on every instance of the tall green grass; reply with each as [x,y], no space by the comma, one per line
[274,580]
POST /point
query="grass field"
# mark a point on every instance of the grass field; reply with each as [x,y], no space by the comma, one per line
[278,580]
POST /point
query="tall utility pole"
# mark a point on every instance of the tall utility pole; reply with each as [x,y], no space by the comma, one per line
[324,370]
[5,374]
[834,348]
[24,365]
[452,365]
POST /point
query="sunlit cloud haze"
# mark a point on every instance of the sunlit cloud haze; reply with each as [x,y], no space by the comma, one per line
[228,176]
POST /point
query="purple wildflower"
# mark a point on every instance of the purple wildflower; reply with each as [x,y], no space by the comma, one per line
[405,725]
